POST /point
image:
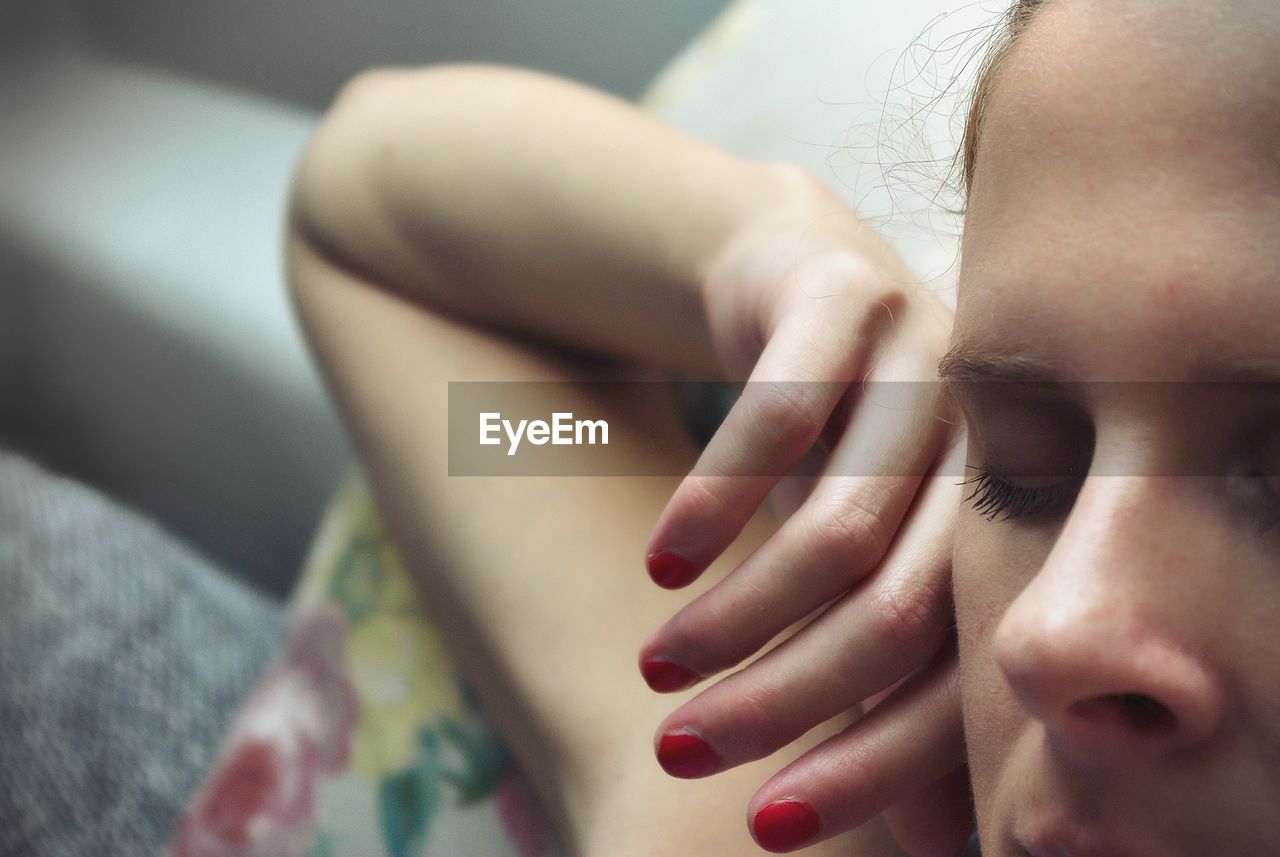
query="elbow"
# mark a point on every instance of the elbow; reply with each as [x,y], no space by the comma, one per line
[335,160]
[334,198]
[343,184]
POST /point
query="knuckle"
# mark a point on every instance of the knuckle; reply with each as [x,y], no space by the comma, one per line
[704,498]
[906,615]
[756,715]
[784,414]
[847,520]
[885,303]
[893,297]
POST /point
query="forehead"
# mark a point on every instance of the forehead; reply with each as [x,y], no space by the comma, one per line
[1128,183]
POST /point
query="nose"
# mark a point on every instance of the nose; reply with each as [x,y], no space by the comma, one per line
[1106,645]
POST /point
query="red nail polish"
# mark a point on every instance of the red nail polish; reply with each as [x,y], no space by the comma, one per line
[683,754]
[670,570]
[785,824]
[666,677]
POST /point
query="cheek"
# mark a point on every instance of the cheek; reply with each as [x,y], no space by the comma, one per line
[989,570]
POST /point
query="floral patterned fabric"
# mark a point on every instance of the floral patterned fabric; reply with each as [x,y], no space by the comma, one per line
[361,739]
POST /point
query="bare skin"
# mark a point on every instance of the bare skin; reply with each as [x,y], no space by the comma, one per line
[1123,225]
[1118,648]
[567,223]
[517,572]
[538,582]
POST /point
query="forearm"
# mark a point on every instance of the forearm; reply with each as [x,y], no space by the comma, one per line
[533,204]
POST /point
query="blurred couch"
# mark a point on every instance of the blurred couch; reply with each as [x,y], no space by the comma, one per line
[146,343]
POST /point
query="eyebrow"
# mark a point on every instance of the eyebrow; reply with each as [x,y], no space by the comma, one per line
[967,362]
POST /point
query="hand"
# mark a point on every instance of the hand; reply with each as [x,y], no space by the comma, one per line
[826,320]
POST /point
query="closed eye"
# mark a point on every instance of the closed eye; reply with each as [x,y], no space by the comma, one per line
[992,496]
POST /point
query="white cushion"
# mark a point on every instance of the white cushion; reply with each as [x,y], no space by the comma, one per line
[141,215]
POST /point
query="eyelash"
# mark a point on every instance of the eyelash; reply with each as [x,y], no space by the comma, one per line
[992,496]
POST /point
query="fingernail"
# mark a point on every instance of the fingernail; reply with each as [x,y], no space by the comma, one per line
[685,755]
[666,677]
[670,570]
[785,824]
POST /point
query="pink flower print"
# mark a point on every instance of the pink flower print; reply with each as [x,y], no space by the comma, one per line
[260,800]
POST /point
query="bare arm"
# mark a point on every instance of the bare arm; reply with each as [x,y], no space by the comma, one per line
[533,204]
[593,239]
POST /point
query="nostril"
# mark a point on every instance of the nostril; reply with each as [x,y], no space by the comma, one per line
[1137,711]
[1147,714]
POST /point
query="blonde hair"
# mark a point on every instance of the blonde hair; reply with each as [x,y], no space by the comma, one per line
[1015,22]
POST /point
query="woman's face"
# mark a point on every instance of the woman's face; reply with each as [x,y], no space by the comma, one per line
[1120,635]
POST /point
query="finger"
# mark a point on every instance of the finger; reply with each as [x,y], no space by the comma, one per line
[913,739]
[789,494]
[864,642]
[802,374]
[936,821]
[839,535]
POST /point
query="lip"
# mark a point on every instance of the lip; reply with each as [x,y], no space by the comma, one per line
[1063,838]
